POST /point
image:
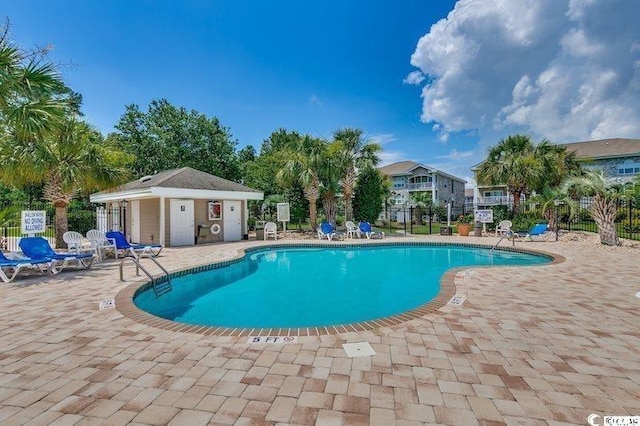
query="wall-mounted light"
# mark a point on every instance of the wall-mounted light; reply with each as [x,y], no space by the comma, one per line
[124,203]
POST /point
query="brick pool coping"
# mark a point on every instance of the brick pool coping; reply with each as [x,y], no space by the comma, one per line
[124,299]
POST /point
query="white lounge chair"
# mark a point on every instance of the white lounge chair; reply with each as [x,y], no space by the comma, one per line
[326,230]
[270,230]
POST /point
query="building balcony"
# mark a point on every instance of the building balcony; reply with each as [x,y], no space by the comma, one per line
[502,200]
[420,186]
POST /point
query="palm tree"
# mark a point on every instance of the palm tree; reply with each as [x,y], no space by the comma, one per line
[33,97]
[549,199]
[510,163]
[524,167]
[302,167]
[353,153]
[73,158]
[605,195]
[423,201]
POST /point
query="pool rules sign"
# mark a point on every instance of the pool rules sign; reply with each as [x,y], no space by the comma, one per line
[33,222]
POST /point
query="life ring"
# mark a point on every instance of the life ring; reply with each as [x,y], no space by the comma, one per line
[215,229]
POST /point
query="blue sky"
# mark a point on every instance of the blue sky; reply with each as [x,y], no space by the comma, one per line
[434,81]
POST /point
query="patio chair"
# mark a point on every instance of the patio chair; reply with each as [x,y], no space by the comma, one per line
[365,228]
[326,230]
[537,233]
[134,250]
[270,230]
[39,248]
[75,241]
[352,229]
[503,227]
[9,268]
[100,243]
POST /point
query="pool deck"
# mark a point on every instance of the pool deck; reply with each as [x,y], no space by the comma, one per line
[530,345]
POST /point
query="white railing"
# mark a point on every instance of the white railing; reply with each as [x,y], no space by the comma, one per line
[501,200]
[421,185]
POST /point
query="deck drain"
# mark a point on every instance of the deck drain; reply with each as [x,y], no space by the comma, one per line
[358,349]
[457,300]
[107,304]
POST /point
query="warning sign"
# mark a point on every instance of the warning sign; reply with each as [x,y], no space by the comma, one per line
[34,221]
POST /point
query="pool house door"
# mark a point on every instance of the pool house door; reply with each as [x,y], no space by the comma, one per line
[135,221]
[231,218]
[182,223]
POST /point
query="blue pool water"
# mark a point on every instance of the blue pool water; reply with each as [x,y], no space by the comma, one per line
[302,287]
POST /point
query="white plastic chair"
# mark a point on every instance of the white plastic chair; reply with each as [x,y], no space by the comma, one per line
[270,230]
[503,227]
[99,242]
[74,240]
[352,229]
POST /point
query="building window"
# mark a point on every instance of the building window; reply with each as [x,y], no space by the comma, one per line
[629,167]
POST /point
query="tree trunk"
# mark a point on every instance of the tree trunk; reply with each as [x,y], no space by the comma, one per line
[330,207]
[604,213]
[61,223]
[516,202]
[347,192]
[311,193]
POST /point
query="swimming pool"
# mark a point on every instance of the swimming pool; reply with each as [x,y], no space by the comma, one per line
[318,286]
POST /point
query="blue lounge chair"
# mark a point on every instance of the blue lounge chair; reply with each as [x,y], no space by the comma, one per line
[135,250]
[326,230]
[537,233]
[16,265]
[39,248]
[365,228]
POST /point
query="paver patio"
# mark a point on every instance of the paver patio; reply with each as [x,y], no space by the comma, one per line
[551,343]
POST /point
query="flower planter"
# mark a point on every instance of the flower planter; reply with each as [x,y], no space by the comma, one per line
[463,229]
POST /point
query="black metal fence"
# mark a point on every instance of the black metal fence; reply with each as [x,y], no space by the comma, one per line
[79,220]
[417,220]
[627,218]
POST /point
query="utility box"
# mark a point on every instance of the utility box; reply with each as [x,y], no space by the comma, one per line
[445,230]
[477,229]
[260,229]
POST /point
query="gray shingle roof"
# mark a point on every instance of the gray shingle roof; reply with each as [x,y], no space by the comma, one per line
[605,148]
[183,178]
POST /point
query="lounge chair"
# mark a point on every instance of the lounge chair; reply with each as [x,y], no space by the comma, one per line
[270,230]
[537,233]
[365,228]
[503,227]
[39,248]
[14,266]
[326,230]
[352,229]
[100,243]
[134,250]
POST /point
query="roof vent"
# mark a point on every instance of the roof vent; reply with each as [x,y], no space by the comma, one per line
[144,178]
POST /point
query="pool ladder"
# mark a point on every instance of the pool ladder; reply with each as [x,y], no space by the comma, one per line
[161,285]
[507,235]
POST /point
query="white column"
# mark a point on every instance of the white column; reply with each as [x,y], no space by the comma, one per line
[162,214]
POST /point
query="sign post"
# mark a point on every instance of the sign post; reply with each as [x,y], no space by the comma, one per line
[33,222]
[283,214]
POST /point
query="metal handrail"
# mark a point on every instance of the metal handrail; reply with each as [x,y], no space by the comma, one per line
[147,273]
[507,235]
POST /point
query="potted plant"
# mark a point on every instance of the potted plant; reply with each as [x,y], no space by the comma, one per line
[464,225]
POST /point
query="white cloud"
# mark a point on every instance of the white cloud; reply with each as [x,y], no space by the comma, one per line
[414,77]
[388,157]
[566,70]
[456,155]
[382,138]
